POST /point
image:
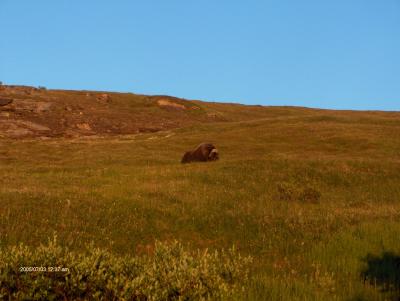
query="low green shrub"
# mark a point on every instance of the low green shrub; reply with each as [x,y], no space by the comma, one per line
[171,273]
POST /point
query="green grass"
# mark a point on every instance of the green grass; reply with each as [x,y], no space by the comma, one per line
[309,196]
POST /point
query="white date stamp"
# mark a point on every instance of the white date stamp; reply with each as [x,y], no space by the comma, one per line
[44,269]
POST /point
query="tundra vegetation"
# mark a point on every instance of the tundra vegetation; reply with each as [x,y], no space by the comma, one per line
[312,196]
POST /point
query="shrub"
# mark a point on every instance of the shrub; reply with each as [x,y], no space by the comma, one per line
[172,273]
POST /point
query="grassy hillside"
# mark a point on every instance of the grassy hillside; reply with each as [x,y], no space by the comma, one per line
[27,112]
[312,195]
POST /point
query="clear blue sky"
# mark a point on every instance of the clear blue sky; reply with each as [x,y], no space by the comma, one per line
[332,54]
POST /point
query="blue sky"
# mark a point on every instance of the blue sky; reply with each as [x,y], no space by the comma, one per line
[342,54]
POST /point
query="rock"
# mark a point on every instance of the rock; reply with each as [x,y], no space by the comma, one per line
[18,132]
[31,105]
[42,106]
[5,101]
[33,126]
[170,105]
[104,97]
[21,128]
[71,134]
[84,126]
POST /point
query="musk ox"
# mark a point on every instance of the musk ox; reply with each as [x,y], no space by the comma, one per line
[204,152]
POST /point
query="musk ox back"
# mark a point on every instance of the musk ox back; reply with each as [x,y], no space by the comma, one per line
[203,153]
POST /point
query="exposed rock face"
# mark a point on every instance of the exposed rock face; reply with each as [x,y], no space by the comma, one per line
[29,105]
[103,97]
[170,105]
[31,112]
[84,126]
[5,101]
[42,106]
[203,153]
[19,128]
[33,106]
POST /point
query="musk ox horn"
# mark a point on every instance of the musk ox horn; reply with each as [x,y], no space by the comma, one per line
[202,153]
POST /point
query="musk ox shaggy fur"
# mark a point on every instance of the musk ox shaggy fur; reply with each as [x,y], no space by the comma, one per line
[204,152]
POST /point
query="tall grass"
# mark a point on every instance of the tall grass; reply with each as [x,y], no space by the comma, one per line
[309,197]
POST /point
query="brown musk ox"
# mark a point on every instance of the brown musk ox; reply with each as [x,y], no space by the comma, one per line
[202,153]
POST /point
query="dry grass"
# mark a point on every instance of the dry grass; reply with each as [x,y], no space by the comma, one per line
[303,191]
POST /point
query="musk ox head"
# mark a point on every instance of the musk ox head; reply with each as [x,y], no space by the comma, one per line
[213,156]
[202,153]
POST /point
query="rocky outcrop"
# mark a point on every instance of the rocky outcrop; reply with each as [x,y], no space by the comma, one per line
[31,112]
[170,105]
[5,101]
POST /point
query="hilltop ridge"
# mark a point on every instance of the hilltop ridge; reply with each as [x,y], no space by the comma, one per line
[37,112]
[29,112]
